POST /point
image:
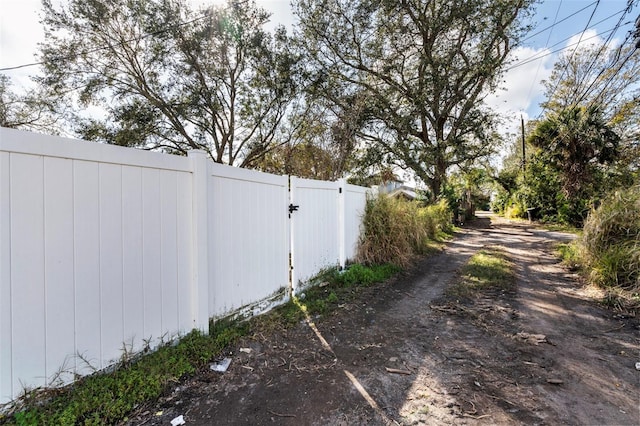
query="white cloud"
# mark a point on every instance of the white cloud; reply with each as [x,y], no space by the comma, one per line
[20,32]
[587,38]
[522,89]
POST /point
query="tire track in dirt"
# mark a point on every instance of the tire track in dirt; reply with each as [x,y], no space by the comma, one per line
[593,361]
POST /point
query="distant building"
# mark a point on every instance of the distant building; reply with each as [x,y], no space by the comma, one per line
[397,188]
[405,192]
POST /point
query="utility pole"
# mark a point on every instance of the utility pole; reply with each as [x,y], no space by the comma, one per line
[524,161]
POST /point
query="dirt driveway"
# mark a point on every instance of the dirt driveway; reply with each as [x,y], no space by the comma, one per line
[405,354]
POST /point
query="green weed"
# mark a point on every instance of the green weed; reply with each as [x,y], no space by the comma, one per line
[332,298]
[570,255]
[366,275]
[332,289]
[108,398]
[489,268]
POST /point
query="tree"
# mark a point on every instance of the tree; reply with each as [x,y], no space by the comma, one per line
[322,139]
[595,75]
[422,70]
[604,77]
[170,78]
[306,160]
[30,110]
[577,143]
[470,190]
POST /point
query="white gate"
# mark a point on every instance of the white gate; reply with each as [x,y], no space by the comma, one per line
[249,234]
[315,228]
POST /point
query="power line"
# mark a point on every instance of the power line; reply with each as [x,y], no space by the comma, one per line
[613,74]
[593,61]
[636,33]
[559,22]
[540,56]
[105,47]
[564,70]
[535,79]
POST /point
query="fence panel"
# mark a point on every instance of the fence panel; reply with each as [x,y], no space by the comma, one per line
[86,261]
[355,199]
[26,266]
[315,228]
[95,253]
[250,239]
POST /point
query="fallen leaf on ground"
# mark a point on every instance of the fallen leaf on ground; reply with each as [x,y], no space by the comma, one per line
[397,371]
[531,338]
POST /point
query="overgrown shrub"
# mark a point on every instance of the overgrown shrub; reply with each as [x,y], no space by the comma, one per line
[394,230]
[436,218]
[500,202]
[511,206]
[611,241]
[514,211]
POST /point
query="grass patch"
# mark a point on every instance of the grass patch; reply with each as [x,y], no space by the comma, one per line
[365,275]
[560,227]
[334,288]
[570,255]
[490,268]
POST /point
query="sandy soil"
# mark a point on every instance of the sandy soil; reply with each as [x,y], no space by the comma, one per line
[403,353]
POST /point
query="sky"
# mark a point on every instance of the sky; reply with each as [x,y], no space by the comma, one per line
[576,20]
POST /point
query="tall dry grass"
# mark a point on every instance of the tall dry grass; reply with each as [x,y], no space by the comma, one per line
[395,230]
[611,243]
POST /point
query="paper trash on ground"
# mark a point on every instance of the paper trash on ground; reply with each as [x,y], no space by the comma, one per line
[178,421]
[221,366]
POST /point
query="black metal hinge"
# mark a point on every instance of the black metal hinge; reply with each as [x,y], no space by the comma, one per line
[293,208]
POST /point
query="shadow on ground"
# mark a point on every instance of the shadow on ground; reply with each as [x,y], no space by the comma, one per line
[404,353]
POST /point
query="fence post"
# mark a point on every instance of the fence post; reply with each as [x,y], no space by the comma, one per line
[200,230]
[342,189]
[7,391]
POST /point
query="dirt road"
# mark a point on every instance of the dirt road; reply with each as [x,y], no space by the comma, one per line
[405,354]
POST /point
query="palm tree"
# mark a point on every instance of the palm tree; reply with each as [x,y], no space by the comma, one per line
[576,141]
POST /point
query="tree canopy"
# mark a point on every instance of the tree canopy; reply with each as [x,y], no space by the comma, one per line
[421,70]
[604,77]
[172,78]
[31,110]
[595,75]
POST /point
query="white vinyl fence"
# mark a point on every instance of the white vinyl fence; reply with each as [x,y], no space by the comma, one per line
[104,248]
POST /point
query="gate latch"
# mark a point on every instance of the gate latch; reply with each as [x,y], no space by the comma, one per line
[293,208]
